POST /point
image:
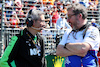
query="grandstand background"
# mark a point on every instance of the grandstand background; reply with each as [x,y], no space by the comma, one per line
[11,9]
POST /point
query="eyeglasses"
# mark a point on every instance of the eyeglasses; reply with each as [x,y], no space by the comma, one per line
[69,16]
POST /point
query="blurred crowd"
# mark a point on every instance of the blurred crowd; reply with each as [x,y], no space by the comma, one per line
[16,11]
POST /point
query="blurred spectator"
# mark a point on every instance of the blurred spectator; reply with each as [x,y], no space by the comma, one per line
[62,4]
[83,3]
[9,3]
[59,9]
[0,16]
[32,5]
[18,5]
[93,21]
[91,7]
[55,16]
[64,9]
[21,17]
[68,3]
[51,16]
[8,7]
[14,21]
[73,1]
[49,5]
[47,17]
[94,1]
[93,11]
[95,6]
[62,23]
[21,12]
[25,8]
[7,23]
[42,7]
[55,2]
[76,1]
[51,11]
[38,5]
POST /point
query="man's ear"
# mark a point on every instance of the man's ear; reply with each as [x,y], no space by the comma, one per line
[80,15]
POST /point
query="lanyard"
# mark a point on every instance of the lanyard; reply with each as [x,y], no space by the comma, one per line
[33,41]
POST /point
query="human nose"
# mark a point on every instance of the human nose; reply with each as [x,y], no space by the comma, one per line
[43,24]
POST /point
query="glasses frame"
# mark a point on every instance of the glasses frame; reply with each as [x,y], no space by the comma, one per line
[69,16]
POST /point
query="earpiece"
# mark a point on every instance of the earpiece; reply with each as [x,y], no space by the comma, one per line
[30,11]
[29,20]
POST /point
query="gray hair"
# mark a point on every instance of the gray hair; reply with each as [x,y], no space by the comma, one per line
[78,8]
[33,15]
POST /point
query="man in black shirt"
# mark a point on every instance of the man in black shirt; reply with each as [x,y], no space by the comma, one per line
[27,49]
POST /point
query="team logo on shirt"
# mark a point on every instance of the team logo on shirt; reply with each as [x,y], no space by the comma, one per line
[34,51]
[93,35]
[67,60]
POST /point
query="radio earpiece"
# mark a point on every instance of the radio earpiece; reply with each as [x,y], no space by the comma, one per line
[29,20]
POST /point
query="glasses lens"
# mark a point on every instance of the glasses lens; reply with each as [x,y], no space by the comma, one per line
[69,16]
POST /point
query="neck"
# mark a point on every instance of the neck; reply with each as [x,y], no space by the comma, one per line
[33,32]
[80,24]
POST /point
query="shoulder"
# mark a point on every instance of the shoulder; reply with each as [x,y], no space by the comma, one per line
[93,31]
[59,19]
[67,31]
[14,39]
[92,28]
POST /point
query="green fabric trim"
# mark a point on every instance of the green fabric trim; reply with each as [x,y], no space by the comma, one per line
[13,64]
[21,32]
[35,39]
[4,59]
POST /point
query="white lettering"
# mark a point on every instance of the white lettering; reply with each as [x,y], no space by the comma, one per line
[38,52]
[67,60]
[35,52]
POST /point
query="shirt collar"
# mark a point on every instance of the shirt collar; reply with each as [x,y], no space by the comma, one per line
[26,31]
[82,28]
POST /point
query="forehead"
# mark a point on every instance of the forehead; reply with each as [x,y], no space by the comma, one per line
[70,11]
[42,16]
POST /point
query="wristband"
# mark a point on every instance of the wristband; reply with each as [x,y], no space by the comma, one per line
[65,45]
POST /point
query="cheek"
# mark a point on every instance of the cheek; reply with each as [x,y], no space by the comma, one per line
[36,24]
[43,23]
[72,20]
[39,25]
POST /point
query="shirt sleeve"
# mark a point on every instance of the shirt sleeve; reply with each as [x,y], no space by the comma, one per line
[58,24]
[4,60]
[65,36]
[92,37]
